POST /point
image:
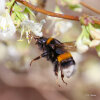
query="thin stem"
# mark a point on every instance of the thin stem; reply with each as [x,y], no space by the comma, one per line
[12,7]
[49,13]
[89,7]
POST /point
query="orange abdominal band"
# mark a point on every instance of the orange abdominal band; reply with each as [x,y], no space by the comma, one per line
[64,56]
[49,40]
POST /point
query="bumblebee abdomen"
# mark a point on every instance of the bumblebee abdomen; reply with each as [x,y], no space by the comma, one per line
[67,62]
[65,59]
[64,56]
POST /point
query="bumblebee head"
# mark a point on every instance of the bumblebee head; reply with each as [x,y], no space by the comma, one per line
[40,41]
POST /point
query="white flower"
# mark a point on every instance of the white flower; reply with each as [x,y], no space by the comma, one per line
[95,33]
[62,26]
[68,72]
[94,43]
[78,9]
[83,41]
[81,47]
[35,27]
[2,6]
[7,28]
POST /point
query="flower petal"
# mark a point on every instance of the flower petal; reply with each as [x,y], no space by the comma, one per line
[94,43]
[81,47]
[7,28]
[35,27]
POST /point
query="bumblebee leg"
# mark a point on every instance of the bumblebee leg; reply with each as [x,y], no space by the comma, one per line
[42,55]
[62,76]
[56,73]
[56,68]
[35,59]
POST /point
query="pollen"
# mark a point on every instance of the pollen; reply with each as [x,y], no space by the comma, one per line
[64,56]
[49,40]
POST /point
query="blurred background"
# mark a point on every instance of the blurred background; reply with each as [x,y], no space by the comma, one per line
[19,81]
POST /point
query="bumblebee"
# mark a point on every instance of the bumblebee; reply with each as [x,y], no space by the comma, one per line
[58,53]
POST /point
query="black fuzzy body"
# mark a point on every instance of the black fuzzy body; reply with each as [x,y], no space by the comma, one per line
[51,51]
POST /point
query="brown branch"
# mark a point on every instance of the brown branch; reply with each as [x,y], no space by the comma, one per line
[97,22]
[89,7]
[37,9]
[49,13]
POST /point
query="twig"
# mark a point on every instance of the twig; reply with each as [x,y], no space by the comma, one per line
[97,22]
[89,7]
[48,12]
[12,7]
[76,18]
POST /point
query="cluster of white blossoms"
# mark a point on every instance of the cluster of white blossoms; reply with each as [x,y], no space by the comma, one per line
[7,28]
[31,26]
[20,18]
[90,37]
[83,41]
[95,34]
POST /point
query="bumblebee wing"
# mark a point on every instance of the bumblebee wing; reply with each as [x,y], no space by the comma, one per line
[69,46]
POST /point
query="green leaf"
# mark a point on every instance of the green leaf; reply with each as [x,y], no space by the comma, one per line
[27,10]
[96,26]
[20,15]
[73,7]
